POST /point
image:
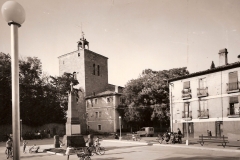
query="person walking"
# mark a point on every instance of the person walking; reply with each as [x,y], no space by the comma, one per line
[24,145]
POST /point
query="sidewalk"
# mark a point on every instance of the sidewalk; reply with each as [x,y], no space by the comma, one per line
[232,146]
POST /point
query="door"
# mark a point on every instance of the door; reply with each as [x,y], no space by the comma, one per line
[190,126]
[219,128]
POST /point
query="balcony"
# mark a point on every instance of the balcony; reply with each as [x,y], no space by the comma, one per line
[232,113]
[187,115]
[186,93]
[233,87]
[204,114]
[202,92]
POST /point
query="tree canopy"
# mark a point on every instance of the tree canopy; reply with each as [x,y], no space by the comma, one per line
[43,98]
[147,97]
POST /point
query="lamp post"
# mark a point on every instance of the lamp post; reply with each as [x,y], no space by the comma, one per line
[171,107]
[120,138]
[14,15]
[21,129]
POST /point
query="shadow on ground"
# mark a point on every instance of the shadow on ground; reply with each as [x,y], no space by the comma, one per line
[200,158]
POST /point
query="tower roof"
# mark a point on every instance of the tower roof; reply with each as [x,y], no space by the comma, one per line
[83,42]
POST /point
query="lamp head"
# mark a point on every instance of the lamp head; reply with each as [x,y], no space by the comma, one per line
[13,12]
[120,117]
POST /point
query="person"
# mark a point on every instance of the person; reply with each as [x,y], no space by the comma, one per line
[68,151]
[24,145]
[96,144]
[9,144]
[34,149]
[116,136]
[209,133]
[179,132]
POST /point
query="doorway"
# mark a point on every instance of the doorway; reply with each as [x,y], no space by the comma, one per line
[219,128]
[190,129]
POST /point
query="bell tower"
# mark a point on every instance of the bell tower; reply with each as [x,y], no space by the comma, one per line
[82,43]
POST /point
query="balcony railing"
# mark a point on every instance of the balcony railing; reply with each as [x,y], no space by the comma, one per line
[232,113]
[186,93]
[203,114]
[202,92]
[187,115]
[233,87]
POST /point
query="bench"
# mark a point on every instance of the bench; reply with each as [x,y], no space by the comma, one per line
[134,137]
[211,139]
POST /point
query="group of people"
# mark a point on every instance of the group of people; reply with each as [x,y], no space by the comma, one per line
[9,147]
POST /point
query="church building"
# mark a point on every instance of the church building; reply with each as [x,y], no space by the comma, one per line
[98,100]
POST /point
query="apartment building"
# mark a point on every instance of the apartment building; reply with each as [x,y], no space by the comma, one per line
[207,100]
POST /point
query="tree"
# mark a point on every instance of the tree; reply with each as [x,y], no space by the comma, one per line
[147,98]
[40,98]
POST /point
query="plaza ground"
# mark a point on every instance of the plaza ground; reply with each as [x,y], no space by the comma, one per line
[147,148]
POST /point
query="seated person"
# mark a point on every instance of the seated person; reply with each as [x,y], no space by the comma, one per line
[34,149]
[116,136]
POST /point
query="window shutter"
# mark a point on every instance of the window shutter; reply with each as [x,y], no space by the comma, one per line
[186,85]
[233,77]
[233,100]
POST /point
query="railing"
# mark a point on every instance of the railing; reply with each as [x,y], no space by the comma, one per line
[187,114]
[232,113]
[186,93]
[203,113]
[234,86]
[202,92]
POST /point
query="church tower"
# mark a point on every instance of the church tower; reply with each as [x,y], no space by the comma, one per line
[91,68]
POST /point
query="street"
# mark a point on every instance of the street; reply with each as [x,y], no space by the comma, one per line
[134,151]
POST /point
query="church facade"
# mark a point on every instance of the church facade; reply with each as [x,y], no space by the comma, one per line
[98,100]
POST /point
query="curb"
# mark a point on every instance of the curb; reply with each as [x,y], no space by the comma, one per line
[130,142]
[201,148]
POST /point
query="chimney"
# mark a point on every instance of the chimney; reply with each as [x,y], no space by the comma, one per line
[223,60]
[116,89]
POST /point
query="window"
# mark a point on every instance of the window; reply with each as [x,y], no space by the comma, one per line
[108,99]
[203,109]
[99,127]
[186,112]
[186,92]
[98,70]
[202,83]
[78,54]
[186,85]
[234,106]
[96,113]
[100,114]
[96,101]
[233,81]
[93,69]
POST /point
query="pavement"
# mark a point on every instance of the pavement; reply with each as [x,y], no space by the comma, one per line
[232,146]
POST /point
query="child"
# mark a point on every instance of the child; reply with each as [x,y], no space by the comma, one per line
[24,145]
[8,146]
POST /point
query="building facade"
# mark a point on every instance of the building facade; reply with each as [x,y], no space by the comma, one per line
[91,71]
[207,100]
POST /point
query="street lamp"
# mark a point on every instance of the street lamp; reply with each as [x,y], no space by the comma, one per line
[21,129]
[120,138]
[14,15]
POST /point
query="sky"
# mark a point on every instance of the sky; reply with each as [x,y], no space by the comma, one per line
[134,34]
